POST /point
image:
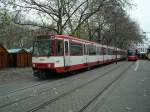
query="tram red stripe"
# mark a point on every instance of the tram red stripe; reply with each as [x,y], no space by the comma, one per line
[72,67]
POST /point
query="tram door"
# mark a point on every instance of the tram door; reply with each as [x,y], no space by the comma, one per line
[66,53]
[85,53]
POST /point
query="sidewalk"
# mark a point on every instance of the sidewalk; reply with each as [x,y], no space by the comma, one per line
[12,74]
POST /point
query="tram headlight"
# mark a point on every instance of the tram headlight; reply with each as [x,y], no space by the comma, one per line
[33,65]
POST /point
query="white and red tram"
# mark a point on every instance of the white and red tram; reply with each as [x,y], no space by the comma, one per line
[61,53]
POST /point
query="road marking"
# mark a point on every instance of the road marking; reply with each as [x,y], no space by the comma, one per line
[137,66]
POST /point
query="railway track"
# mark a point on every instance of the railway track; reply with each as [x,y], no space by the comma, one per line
[60,84]
[24,88]
[56,83]
[44,83]
[103,90]
[74,89]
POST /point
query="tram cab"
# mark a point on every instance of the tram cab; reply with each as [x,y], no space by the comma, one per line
[132,55]
[148,53]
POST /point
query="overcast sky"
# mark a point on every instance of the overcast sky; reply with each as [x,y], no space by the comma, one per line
[141,13]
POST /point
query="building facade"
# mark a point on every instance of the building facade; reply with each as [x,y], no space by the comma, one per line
[142,47]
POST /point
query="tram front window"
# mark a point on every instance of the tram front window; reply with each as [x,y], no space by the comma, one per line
[43,47]
[132,53]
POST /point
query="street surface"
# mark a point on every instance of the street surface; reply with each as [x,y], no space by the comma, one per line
[122,87]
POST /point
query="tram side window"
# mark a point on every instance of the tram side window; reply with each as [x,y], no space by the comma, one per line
[108,51]
[121,52]
[76,49]
[87,49]
[66,48]
[117,52]
[84,50]
[92,50]
[114,52]
[59,44]
[97,50]
[111,52]
[104,51]
[100,51]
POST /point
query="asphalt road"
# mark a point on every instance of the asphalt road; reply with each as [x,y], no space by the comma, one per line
[122,87]
[131,93]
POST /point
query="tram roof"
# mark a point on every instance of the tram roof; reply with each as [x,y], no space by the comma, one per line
[81,40]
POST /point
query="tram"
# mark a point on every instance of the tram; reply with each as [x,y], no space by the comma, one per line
[61,53]
[132,55]
[148,53]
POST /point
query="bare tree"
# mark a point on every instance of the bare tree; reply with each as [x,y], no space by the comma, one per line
[62,13]
[104,21]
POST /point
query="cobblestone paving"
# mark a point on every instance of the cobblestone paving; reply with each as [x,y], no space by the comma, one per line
[69,94]
[76,100]
[30,98]
[130,94]
[13,74]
